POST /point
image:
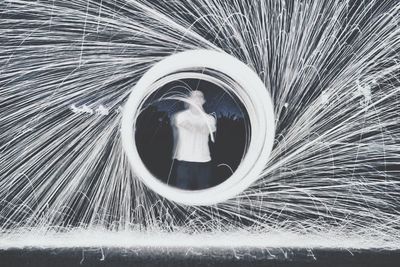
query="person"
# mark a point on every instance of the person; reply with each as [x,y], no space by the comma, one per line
[192,129]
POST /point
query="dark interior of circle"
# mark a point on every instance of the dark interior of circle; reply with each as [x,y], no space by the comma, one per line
[154,131]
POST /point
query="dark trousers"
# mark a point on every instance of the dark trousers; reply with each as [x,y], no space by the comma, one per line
[193,175]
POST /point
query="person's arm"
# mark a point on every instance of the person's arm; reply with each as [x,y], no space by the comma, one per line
[213,127]
[213,123]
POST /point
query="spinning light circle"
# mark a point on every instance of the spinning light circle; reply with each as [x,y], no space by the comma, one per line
[247,87]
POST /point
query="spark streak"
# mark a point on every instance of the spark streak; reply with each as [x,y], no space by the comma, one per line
[332,68]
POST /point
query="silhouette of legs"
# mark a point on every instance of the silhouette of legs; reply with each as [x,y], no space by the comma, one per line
[183,175]
[203,175]
[193,175]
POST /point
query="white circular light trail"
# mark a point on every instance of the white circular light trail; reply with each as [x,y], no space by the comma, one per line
[250,90]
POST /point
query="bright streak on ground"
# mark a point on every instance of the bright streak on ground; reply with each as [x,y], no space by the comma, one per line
[155,239]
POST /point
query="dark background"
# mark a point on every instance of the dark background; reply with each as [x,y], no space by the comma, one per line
[263,257]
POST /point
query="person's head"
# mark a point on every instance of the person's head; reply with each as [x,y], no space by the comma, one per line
[196,98]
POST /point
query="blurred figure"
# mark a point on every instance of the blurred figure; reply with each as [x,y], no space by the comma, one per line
[192,129]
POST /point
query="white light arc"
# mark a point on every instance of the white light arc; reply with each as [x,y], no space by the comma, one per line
[257,102]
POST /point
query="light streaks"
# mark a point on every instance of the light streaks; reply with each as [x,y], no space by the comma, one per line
[235,79]
[332,68]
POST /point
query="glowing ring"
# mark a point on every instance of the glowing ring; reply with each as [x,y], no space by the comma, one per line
[257,101]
